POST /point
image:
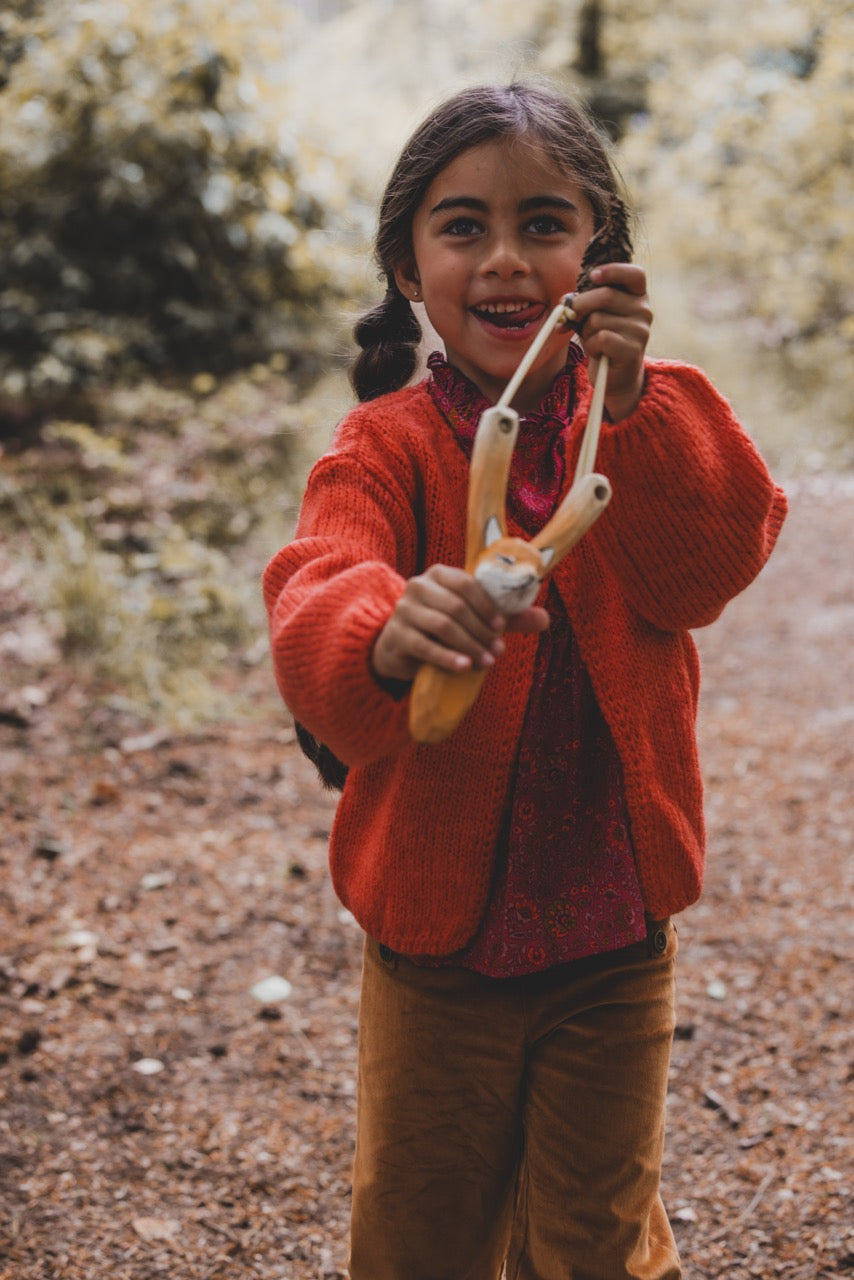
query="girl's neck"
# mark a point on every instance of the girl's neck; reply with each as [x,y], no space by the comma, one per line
[469,397]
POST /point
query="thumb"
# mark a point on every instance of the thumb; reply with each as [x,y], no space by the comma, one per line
[532,619]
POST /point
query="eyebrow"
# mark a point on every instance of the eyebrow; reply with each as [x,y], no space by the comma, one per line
[481,206]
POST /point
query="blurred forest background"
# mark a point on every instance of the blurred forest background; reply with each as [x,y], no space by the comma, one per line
[187,195]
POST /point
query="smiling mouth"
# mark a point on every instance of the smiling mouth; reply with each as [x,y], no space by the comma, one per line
[509,315]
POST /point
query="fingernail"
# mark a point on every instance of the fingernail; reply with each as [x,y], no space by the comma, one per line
[568,309]
[487,660]
[596,274]
[497,647]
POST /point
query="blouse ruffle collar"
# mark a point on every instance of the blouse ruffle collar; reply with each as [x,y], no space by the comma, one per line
[463,403]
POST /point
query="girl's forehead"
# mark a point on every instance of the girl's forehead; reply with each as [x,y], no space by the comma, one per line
[506,167]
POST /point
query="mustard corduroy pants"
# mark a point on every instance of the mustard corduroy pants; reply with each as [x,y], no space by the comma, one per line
[515,1122]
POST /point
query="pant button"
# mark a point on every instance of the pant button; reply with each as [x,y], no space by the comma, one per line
[659,942]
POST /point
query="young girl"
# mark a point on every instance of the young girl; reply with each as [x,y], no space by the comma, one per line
[515,882]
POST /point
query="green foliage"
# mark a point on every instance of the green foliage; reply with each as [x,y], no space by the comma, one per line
[743,169]
[145,534]
[151,213]
[736,125]
[192,183]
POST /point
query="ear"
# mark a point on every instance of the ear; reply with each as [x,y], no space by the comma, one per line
[547,554]
[408,280]
[492,531]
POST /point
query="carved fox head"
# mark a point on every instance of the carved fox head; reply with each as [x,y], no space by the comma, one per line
[511,569]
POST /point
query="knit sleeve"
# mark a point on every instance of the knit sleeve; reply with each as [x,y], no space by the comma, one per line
[694,514]
[328,595]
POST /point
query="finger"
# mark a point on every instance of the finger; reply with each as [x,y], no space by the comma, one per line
[627,276]
[533,619]
[448,618]
[620,348]
[449,635]
[448,659]
[479,646]
[421,648]
[401,649]
[457,596]
[620,337]
[606,307]
[463,586]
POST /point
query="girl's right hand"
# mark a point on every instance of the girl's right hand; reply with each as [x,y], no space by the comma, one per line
[445,617]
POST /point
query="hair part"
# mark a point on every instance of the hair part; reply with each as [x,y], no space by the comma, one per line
[389,333]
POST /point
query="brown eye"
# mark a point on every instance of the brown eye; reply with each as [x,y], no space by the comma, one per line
[462,227]
[544,225]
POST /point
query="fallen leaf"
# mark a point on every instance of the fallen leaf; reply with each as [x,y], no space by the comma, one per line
[156,1228]
[715,1102]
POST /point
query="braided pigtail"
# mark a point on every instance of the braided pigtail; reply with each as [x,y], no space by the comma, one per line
[333,773]
[611,243]
[389,335]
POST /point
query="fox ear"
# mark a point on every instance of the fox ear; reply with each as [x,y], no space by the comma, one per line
[492,531]
[547,554]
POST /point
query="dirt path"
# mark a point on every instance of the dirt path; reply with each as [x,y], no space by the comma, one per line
[158,1119]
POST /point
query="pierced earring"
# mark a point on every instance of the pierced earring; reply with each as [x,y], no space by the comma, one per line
[415,295]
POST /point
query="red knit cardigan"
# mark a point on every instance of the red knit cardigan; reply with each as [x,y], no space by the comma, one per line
[693,518]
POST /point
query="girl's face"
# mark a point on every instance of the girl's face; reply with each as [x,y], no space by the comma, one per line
[497,241]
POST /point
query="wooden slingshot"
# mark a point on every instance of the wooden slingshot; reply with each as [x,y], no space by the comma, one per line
[510,569]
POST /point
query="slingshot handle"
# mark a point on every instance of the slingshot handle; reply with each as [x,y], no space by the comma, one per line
[439,699]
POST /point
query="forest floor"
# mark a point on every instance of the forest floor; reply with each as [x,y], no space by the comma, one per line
[158,1119]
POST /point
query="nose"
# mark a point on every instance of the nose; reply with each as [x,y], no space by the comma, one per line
[504,258]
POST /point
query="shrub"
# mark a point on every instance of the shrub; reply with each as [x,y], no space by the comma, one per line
[152,213]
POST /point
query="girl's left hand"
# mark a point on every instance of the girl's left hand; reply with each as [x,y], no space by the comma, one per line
[615,319]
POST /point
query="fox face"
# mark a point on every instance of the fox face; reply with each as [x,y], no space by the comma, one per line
[510,569]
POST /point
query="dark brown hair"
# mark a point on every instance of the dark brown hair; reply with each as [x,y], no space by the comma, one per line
[389,333]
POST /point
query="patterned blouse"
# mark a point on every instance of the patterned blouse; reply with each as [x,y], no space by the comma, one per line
[565,884]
